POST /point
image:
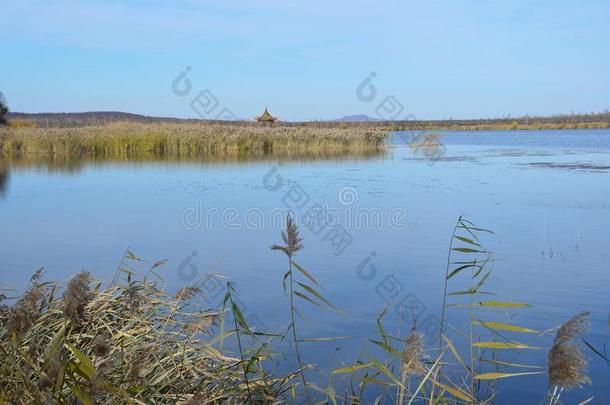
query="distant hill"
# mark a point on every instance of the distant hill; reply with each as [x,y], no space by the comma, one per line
[95,118]
[356,118]
[80,119]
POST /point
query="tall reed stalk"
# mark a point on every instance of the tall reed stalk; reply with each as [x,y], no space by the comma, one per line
[238,317]
[293,244]
[445,284]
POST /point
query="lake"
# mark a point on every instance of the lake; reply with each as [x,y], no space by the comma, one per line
[545,195]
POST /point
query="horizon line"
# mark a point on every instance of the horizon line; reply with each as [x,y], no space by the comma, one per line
[366,117]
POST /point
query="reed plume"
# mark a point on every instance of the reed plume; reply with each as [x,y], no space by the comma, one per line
[76,297]
[116,355]
[133,297]
[201,322]
[291,238]
[412,356]
[23,314]
[566,362]
[101,346]
[186,293]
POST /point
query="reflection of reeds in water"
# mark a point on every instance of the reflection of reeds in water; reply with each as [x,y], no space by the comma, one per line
[4,178]
[74,164]
[120,140]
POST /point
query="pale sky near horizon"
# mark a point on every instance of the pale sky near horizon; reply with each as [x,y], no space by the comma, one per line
[305,60]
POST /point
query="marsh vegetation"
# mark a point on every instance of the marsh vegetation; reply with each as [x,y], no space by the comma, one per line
[130,140]
[132,341]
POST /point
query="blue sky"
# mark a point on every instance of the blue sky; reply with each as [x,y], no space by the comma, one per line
[305,60]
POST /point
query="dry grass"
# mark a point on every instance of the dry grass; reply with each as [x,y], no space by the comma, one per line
[129,343]
[497,126]
[133,140]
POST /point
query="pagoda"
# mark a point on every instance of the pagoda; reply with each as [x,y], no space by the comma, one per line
[266,118]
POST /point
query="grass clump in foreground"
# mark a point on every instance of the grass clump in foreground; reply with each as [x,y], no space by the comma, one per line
[132,342]
[123,139]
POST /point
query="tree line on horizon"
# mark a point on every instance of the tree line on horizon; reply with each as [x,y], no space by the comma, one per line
[95,118]
[3,110]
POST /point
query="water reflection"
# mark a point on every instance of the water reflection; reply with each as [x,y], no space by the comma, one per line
[4,179]
[72,165]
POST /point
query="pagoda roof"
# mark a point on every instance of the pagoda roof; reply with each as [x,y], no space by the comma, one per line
[266,117]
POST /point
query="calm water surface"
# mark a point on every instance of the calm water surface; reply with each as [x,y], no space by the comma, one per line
[546,195]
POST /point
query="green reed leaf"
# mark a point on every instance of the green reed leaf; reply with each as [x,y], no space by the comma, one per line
[326,339]
[474,228]
[455,271]
[352,369]
[471,291]
[503,345]
[467,240]
[286,275]
[468,250]
[456,392]
[376,381]
[317,295]
[495,376]
[597,352]
[502,304]
[387,348]
[455,352]
[504,326]
[240,317]
[482,281]
[385,371]
[506,363]
[306,274]
[84,364]
[481,267]
[131,256]
[306,298]
[80,394]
